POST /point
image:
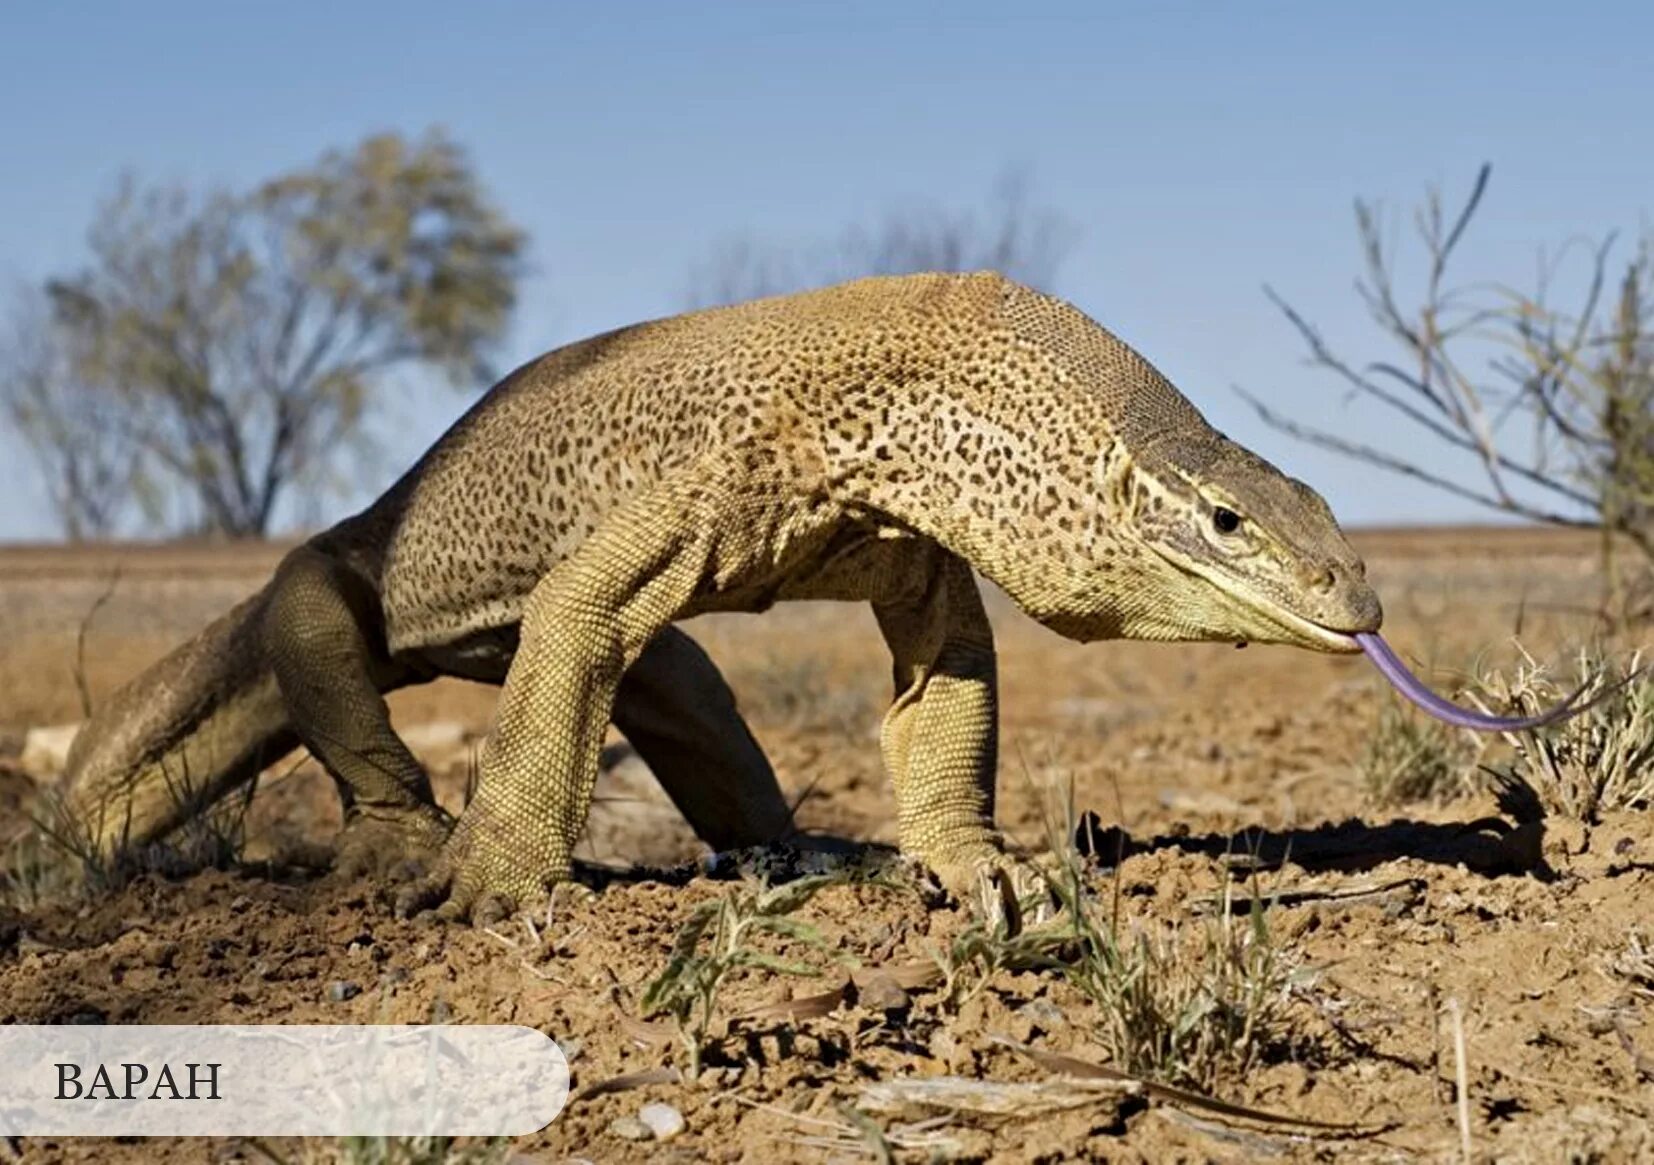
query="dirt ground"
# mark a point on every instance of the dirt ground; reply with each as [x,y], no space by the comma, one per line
[1197,751]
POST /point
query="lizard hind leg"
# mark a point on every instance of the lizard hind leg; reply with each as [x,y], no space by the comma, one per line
[677,711]
[321,637]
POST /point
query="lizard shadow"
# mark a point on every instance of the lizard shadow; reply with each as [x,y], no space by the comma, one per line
[807,853]
[1490,846]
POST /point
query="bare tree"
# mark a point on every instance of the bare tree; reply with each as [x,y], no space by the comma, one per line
[91,475]
[232,343]
[1550,406]
[1009,236]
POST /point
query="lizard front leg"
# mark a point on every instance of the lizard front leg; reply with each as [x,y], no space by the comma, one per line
[940,738]
[583,625]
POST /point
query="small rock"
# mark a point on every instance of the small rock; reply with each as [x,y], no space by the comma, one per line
[396,974]
[881,992]
[1043,1013]
[664,1121]
[571,1048]
[46,750]
[631,1129]
[240,903]
[342,989]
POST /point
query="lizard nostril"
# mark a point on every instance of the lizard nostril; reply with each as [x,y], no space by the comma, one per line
[1326,579]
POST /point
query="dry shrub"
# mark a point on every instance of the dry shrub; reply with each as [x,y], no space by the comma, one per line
[1594,763]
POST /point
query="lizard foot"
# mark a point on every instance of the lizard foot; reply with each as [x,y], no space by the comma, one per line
[479,878]
[395,843]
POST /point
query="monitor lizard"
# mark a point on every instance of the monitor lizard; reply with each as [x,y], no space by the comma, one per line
[883,441]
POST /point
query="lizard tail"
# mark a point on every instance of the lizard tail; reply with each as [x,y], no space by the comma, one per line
[185,732]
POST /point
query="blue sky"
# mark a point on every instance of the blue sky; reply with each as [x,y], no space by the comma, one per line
[1201,150]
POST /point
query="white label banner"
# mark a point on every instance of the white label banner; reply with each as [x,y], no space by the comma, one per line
[321,1080]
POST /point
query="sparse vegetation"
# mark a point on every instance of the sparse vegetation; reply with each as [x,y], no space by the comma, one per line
[1410,757]
[35,870]
[1634,963]
[1599,761]
[1549,406]
[57,857]
[717,939]
[1188,1004]
[226,349]
[989,944]
[390,1151]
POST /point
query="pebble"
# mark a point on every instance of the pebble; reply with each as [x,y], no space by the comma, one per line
[664,1121]
[1044,1013]
[630,1128]
[881,992]
[342,989]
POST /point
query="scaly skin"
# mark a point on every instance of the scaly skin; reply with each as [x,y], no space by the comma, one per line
[879,441]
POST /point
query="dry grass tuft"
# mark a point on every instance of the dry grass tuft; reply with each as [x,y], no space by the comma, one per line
[58,859]
[1599,761]
[389,1151]
[1190,1004]
[1634,963]
[1410,757]
[1193,1005]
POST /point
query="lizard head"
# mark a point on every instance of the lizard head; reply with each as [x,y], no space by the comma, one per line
[1243,552]
[1156,526]
[1175,532]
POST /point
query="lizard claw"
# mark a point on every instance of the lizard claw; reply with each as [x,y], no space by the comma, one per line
[1007,893]
[476,881]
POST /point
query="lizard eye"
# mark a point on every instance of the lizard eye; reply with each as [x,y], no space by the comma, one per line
[1225,521]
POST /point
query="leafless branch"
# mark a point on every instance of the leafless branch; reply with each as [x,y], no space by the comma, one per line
[1582,383]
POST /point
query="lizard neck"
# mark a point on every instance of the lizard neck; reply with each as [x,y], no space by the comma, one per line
[1020,474]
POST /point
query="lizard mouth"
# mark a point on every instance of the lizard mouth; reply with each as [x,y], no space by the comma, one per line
[1326,638]
[1294,628]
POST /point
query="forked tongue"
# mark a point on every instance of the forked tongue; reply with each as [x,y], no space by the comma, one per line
[1418,692]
